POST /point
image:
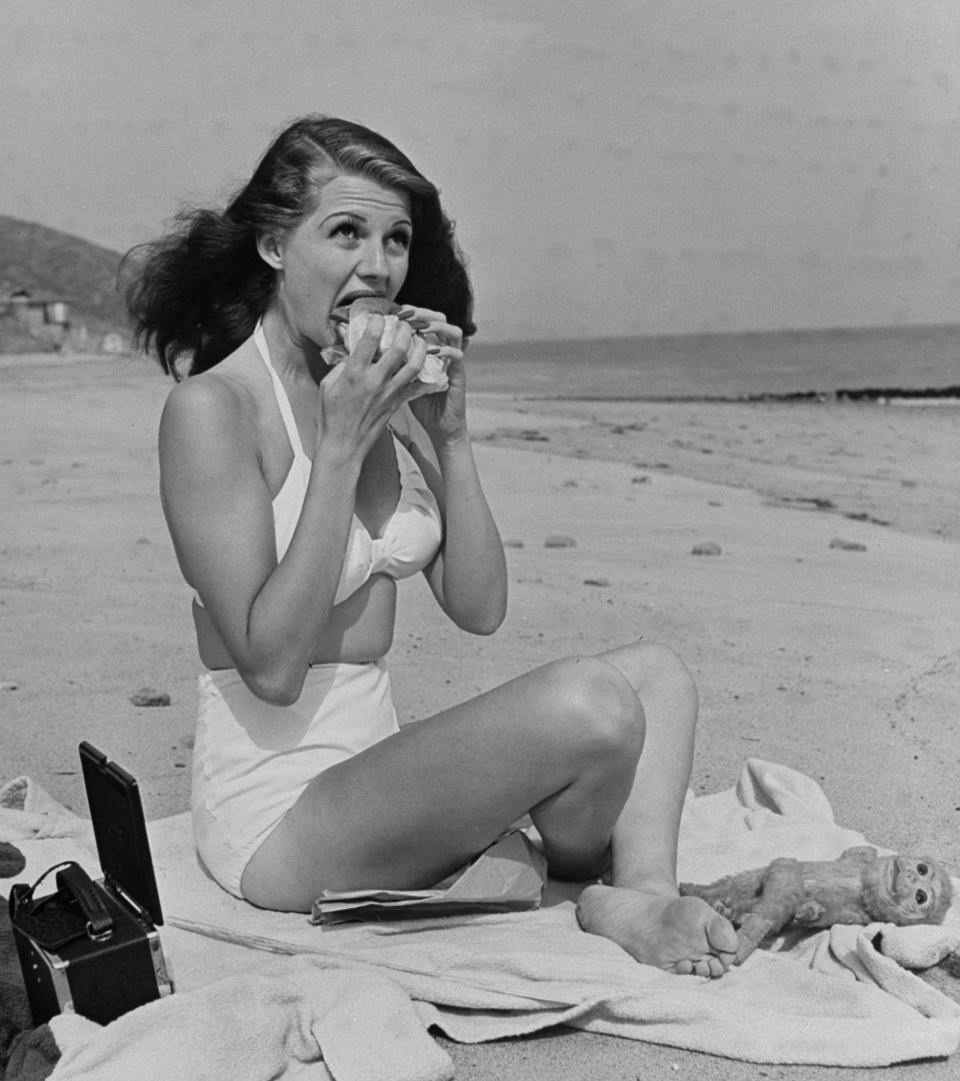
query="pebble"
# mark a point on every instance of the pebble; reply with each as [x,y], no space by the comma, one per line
[559,540]
[9,685]
[706,548]
[147,696]
[512,542]
[847,545]
[596,582]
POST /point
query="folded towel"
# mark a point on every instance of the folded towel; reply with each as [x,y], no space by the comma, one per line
[920,948]
[831,997]
[270,1024]
[29,812]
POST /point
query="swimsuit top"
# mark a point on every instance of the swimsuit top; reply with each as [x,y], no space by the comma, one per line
[411,536]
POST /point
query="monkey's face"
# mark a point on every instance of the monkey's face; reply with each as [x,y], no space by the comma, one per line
[906,890]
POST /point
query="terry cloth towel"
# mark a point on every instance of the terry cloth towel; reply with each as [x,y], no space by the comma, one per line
[261,1026]
[832,997]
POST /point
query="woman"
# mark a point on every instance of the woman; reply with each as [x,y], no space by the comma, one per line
[297,494]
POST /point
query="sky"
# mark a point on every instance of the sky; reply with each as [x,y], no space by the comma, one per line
[614,167]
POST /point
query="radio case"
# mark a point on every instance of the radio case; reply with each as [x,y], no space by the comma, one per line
[92,947]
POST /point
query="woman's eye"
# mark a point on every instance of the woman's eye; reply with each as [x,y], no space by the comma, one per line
[401,241]
[921,897]
[345,228]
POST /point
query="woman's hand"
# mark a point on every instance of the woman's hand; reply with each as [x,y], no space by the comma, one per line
[357,399]
[443,414]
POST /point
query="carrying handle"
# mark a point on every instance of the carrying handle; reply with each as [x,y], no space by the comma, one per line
[75,880]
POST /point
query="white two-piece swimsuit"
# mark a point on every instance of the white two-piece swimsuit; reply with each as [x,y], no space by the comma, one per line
[252,760]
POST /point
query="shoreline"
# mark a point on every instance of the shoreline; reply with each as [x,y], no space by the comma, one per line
[949,394]
[485,371]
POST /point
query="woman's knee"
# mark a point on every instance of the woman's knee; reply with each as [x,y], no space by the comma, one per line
[596,708]
[656,670]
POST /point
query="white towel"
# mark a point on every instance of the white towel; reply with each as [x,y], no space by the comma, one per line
[830,997]
[260,1026]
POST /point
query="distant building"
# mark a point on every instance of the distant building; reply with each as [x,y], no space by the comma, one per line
[42,316]
[47,319]
[114,344]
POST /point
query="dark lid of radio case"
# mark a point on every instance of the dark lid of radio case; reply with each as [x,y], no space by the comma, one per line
[120,829]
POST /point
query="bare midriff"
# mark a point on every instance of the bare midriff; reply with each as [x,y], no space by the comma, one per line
[359,630]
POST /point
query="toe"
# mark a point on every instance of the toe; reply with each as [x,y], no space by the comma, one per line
[703,966]
[717,968]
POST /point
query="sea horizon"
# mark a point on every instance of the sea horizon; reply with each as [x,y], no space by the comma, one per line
[895,361]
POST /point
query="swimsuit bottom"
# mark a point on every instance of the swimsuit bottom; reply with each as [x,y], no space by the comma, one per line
[252,760]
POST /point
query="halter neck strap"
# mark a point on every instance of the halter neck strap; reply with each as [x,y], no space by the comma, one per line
[283,401]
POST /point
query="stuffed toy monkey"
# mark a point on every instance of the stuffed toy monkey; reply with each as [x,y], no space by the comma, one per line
[860,887]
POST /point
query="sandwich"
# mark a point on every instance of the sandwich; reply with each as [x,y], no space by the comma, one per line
[351,321]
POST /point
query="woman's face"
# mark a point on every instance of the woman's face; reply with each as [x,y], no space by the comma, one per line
[355,243]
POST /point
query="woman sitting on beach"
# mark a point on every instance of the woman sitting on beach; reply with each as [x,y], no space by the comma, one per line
[297,493]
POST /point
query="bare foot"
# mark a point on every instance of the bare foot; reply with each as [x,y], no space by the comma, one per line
[680,934]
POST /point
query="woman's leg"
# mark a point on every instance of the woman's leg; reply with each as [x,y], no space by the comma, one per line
[562,743]
[642,910]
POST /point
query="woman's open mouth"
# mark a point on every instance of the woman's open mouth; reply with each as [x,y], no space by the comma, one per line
[355,303]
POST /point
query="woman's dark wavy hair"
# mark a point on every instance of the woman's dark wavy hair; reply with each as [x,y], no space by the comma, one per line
[198,292]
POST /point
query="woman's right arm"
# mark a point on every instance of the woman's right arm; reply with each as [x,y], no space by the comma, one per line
[269,615]
[218,508]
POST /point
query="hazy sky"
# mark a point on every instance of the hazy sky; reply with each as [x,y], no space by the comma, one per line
[614,166]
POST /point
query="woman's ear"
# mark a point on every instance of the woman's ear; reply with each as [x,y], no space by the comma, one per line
[270,249]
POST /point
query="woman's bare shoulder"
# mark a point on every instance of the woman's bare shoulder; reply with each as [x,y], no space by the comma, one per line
[226,394]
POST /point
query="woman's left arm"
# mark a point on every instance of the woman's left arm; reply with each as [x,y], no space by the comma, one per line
[469,575]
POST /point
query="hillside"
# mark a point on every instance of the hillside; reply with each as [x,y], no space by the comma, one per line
[47,261]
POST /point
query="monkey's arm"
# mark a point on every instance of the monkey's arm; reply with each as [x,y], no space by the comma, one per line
[733,895]
[757,902]
[781,894]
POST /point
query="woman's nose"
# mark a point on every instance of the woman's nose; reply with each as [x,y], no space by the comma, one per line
[373,263]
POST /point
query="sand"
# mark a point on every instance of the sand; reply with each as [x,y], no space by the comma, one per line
[825,634]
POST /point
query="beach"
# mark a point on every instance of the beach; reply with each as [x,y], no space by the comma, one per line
[823,630]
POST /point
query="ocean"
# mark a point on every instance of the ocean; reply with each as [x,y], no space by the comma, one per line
[873,362]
